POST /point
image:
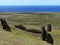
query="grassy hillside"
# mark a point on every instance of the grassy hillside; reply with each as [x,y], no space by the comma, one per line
[30,21]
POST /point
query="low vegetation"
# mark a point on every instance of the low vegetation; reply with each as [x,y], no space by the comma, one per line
[30,21]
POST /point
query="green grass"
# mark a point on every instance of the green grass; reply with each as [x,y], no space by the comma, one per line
[30,21]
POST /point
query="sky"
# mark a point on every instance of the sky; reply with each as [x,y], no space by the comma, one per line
[29,2]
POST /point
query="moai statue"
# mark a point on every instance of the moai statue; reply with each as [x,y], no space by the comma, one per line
[43,33]
[49,38]
[20,27]
[5,25]
[49,28]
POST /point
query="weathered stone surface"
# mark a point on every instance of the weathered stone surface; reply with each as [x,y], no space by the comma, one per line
[20,27]
[43,33]
[49,28]
[5,25]
[49,38]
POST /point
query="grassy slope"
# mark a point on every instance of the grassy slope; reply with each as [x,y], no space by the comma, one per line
[33,21]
